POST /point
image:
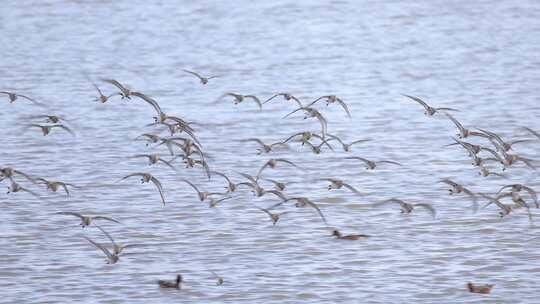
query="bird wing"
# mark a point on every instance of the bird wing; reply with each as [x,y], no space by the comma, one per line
[149,100]
[344,106]
[194,74]
[428,207]
[420,101]
[456,122]
[65,128]
[351,188]
[106,218]
[72,213]
[257,100]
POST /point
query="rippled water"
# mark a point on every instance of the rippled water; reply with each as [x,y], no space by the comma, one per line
[480,57]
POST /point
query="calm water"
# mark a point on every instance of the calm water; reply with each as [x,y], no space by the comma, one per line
[481,58]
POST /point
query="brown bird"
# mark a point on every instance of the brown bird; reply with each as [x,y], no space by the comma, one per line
[87,220]
[124,91]
[408,208]
[219,279]
[203,80]
[463,132]
[171,284]
[332,99]
[15,187]
[519,188]
[101,97]
[49,118]
[305,137]
[302,202]
[46,129]
[273,216]
[146,178]
[212,202]
[484,289]
[8,172]
[111,257]
[351,237]
[286,96]
[265,148]
[429,111]
[272,163]
[238,98]
[346,147]
[203,195]
[154,159]
[117,248]
[370,165]
[14,96]
[338,184]
[55,185]
[458,188]
[311,112]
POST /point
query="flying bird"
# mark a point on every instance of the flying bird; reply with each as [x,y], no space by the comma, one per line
[87,220]
[286,96]
[370,165]
[146,178]
[202,79]
[332,99]
[429,111]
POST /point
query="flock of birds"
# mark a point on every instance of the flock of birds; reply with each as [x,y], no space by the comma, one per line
[182,143]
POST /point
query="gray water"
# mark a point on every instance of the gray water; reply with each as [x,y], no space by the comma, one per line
[479,57]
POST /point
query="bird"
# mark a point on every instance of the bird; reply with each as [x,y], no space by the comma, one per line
[8,172]
[171,284]
[350,237]
[338,184]
[332,99]
[111,257]
[280,186]
[499,143]
[408,208]
[231,187]
[49,118]
[519,188]
[202,195]
[14,96]
[146,178]
[212,202]
[302,202]
[203,80]
[264,148]
[505,209]
[148,100]
[87,220]
[370,165]
[55,185]
[311,112]
[46,129]
[533,132]
[429,111]
[117,248]
[510,159]
[346,147]
[15,187]
[274,217]
[101,97]
[124,91]
[305,137]
[272,163]
[286,96]
[219,279]
[238,98]
[484,289]
[458,188]
[463,132]
[317,149]
[154,159]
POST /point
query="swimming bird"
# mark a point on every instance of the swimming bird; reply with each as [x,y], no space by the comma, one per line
[46,129]
[111,257]
[55,185]
[332,99]
[154,159]
[429,111]
[338,184]
[311,112]
[87,220]
[202,79]
[124,91]
[350,237]
[173,284]
[238,98]
[14,96]
[272,163]
[286,96]
[203,195]
[274,217]
[219,279]
[146,178]
[408,208]
[484,289]
[347,147]
[264,148]
[370,165]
